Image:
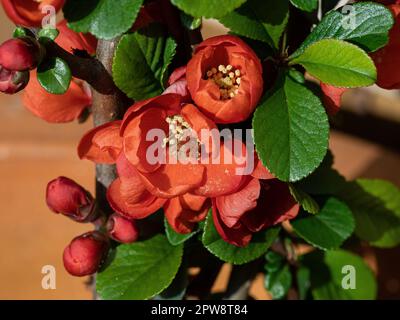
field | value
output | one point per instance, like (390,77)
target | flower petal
(128,196)
(56,108)
(102,144)
(183,212)
(239,235)
(232,207)
(275,205)
(172,180)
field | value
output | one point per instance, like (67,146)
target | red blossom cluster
(194,101)
(222,83)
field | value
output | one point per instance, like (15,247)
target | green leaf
(140,270)
(305,5)
(291,131)
(304,199)
(177,289)
(229,253)
(274,261)
(334,268)
(20,32)
(303,282)
(376,208)
(207,8)
(259,20)
(338,63)
(190,22)
(105,19)
(54,75)
(141,62)
(329,228)
(175,238)
(371,24)
(48,34)
(278,283)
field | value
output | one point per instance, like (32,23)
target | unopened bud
(85,254)
(13,81)
(65,196)
(20,54)
(122,229)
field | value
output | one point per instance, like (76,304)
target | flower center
(182,139)
(228,80)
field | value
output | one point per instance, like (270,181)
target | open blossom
(29,13)
(165,114)
(182,189)
(70,105)
(262,202)
(225,79)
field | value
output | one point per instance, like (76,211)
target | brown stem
(85,68)
(107,106)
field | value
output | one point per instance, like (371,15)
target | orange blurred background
(32,152)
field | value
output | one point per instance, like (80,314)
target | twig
(85,68)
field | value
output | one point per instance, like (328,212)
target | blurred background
(365,143)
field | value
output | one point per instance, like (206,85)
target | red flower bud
(13,81)
(85,254)
(19,54)
(122,229)
(65,196)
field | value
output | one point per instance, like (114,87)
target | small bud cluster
(228,80)
(86,253)
(17,57)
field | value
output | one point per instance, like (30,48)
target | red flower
(170,179)
(259,204)
(387,59)
(225,79)
(142,187)
(85,254)
(332,98)
(70,105)
(28,13)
